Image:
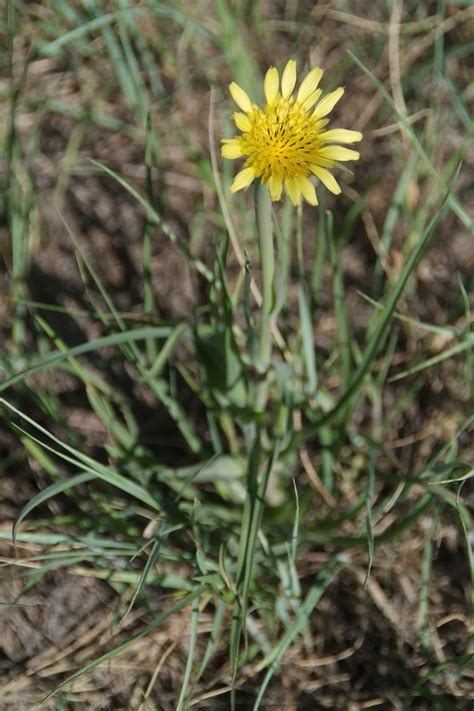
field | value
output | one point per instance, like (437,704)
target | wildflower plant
(285,143)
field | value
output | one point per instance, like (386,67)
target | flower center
(282,141)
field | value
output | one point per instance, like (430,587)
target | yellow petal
(231,149)
(240,97)
(242,180)
(338,153)
(271,85)
(326,178)
(309,84)
(293,190)
(328,103)
(340,135)
(288,79)
(307,189)
(241,121)
(320,124)
(324,162)
(275,186)
(311,99)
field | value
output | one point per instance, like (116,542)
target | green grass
(132,437)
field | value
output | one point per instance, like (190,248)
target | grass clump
(223,484)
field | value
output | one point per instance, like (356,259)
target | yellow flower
(286,141)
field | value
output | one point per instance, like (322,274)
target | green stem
(263,211)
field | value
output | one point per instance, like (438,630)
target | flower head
(286,141)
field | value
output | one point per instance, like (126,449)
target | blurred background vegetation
(129,290)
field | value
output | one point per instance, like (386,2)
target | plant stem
(263,211)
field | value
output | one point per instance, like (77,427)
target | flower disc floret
(286,142)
